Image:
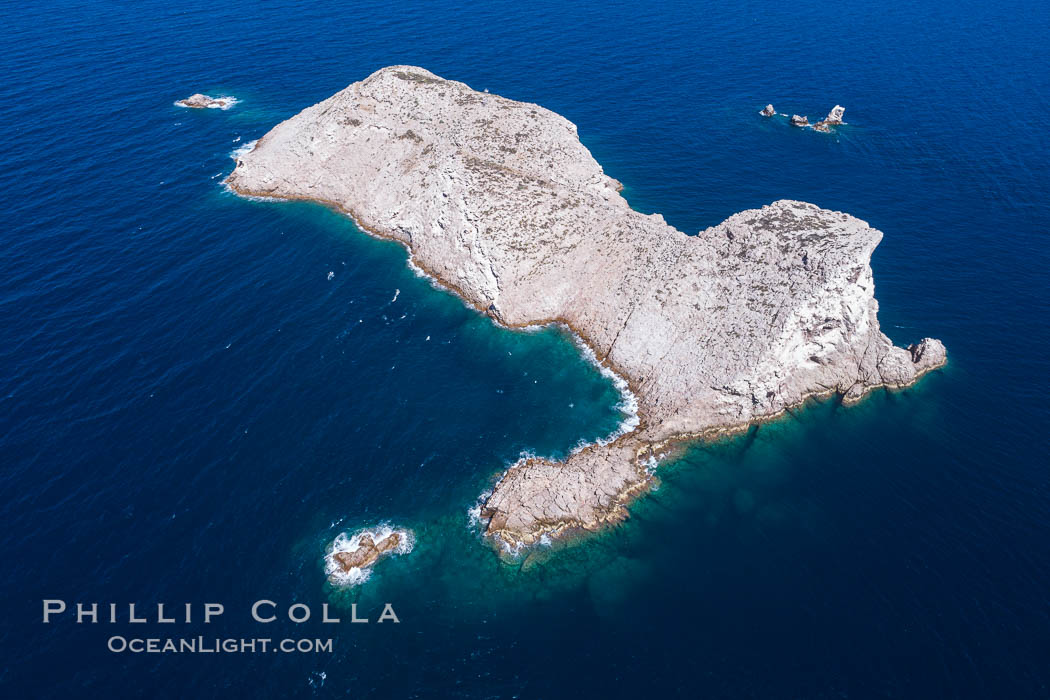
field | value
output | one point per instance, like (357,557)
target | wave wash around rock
(501,202)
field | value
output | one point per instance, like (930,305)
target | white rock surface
(501,202)
(835,115)
(768,111)
(199,101)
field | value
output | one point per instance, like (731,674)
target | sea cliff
(500,202)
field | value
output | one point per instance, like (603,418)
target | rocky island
(500,202)
(350,559)
(834,118)
(199,101)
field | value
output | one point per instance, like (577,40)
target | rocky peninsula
(500,202)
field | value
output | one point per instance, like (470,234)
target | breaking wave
(423,274)
(474,512)
(235,154)
(628,404)
(243,148)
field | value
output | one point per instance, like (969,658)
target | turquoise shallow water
(192,410)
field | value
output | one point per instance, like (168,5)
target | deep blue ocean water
(190,410)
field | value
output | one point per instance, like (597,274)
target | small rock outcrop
(499,201)
(834,117)
(199,101)
(768,111)
(367,553)
(350,559)
(799,121)
(928,351)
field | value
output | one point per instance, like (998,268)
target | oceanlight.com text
(214,645)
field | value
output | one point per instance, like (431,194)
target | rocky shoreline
(499,202)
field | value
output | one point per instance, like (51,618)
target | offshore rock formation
(199,101)
(834,118)
(367,553)
(350,559)
(799,121)
(768,111)
(501,202)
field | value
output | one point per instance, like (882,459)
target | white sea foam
(351,543)
(513,550)
(243,148)
(474,512)
(230,102)
(418,271)
(628,404)
(397,292)
(235,154)
(250,197)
